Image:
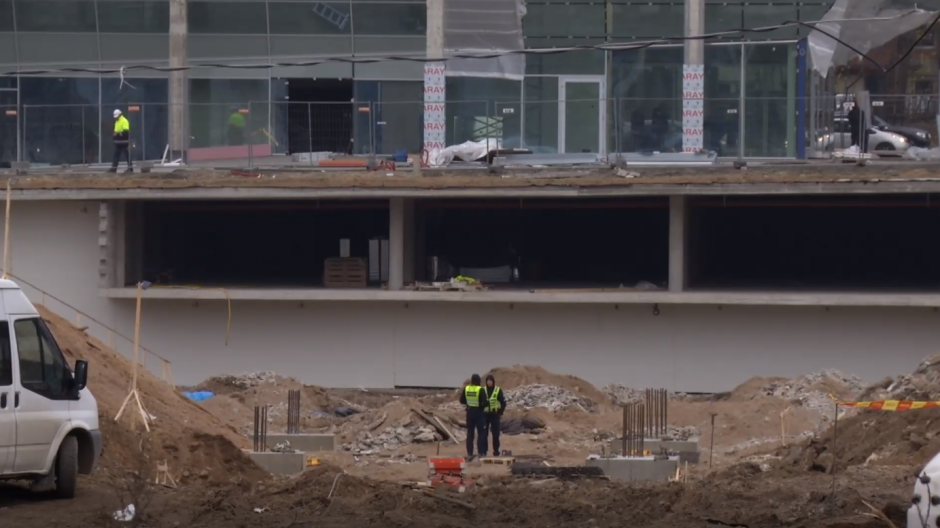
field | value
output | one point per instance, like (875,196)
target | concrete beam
(678,243)
(178,122)
(401,242)
(912,300)
(709,189)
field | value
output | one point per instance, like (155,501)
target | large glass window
(214,101)
(228,17)
(648,84)
(145,107)
(764,15)
(6,15)
(770,110)
(60,120)
(390,19)
(304,18)
(472,108)
(722,98)
(726,16)
(647,20)
(55,15)
(564,20)
(130,16)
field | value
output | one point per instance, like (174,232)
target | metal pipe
(623,438)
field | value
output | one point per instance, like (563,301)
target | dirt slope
(188,437)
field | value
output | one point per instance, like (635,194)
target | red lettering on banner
(693,113)
(431,145)
(694,76)
(691,149)
(692,132)
(434,90)
(434,71)
(434,126)
(434,107)
(693,95)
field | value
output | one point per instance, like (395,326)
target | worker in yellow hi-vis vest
(495,410)
(122,142)
(472,398)
(236,128)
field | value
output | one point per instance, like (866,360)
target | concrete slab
(280,463)
(688,451)
(636,469)
(309,443)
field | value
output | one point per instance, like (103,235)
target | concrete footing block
(636,469)
(309,443)
(687,450)
(280,463)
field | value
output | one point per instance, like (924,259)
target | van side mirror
(81,374)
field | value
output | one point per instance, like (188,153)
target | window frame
(6,378)
(45,389)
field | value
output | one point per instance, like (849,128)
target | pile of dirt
(923,384)
(190,439)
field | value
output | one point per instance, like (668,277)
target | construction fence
(252,132)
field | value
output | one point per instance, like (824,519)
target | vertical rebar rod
(623,438)
(254,435)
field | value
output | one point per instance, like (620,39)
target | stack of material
(345,272)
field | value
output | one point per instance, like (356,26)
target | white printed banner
(435,94)
(693,107)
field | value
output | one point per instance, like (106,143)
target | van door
(7,418)
(43,407)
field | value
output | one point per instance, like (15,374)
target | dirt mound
(188,437)
(922,384)
(522,375)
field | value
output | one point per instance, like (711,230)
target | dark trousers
(476,426)
(492,426)
(121,149)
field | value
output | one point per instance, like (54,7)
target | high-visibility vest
(236,120)
(494,400)
(472,394)
(121,125)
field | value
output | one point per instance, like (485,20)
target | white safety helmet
(117,113)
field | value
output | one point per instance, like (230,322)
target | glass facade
(633,96)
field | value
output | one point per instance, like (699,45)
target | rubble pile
(549,397)
(622,395)
(391,439)
(681,434)
(812,390)
(922,384)
(246,381)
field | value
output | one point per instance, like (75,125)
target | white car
(48,418)
(879,141)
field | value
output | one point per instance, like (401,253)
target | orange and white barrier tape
(888,405)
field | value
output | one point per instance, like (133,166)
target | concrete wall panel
(379,344)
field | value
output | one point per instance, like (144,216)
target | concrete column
(435,87)
(678,243)
(693,78)
(401,242)
(178,110)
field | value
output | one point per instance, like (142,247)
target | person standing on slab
(122,142)
(494,411)
(472,399)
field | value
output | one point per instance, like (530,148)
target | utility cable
(628,46)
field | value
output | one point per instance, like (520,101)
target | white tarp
(467,151)
(864,25)
(484,27)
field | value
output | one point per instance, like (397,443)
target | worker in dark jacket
(497,406)
(476,404)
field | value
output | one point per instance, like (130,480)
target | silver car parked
(880,142)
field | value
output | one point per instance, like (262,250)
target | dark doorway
(321,115)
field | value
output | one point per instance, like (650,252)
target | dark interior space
(815,243)
(557,243)
(251,243)
(325,123)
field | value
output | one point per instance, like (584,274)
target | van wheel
(885,146)
(66,468)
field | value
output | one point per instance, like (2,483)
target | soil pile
(521,375)
(922,384)
(186,436)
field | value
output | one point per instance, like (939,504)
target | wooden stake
(134,393)
(6,237)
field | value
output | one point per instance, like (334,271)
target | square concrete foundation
(280,463)
(687,451)
(637,469)
(309,443)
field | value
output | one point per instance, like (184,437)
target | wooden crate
(505,461)
(345,272)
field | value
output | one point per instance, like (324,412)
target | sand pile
(188,437)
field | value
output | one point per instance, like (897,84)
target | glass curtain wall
(67,118)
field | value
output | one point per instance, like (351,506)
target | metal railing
(251,133)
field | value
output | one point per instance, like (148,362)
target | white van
(48,419)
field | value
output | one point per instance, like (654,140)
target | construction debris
(548,397)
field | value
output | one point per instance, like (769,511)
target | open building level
(693,280)
(759,99)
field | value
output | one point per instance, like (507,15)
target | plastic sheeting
(484,27)
(881,21)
